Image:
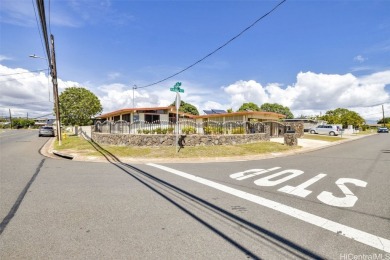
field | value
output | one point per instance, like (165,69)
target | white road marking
(301,190)
(241,175)
(352,233)
(349,200)
(267,180)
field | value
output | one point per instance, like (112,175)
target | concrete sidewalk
(305,145)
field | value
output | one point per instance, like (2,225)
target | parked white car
(326,130)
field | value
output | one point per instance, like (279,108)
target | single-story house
(168,114)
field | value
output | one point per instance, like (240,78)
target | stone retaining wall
(169,140)
(291,139)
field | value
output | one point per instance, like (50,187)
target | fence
(183,127)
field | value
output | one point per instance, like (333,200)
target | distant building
(44,121)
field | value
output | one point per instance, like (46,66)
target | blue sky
(312,56)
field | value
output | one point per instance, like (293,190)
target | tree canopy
(249,106)
(344,117)
(186,108)
(78,106)
(277,108)
(22,122)
(387,120)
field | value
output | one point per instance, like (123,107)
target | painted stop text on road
(278,176)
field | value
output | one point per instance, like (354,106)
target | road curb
(55,154)
(47,150)
(62,155)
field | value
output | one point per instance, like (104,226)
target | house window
(151,118)
(126,117)
(116,118)
(172,118)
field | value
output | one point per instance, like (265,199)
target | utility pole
(134,87)
(10,118)
(383,112)
(55,89)
(178,90)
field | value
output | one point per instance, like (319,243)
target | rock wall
(291,139)
(169,140)
(297,127)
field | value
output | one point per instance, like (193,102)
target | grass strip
(75,144)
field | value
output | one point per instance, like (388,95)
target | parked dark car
(46,131)
(383,130)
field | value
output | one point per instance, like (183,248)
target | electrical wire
(28,103)
(41,11)
(39,31)
(22,72)
(49,17)
(219,48)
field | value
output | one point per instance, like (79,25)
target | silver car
(46,131)
(326,130)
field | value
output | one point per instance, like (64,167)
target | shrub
(210,130)
(170,130)
(365,127)
(189,130)
(238,130)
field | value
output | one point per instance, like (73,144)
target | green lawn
(75,144)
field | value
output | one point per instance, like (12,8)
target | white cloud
(313,92)
(3,58)
(245,91)
(24,91)
(359,58)
(113,75)
(22,13)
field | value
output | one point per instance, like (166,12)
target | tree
(186,108)
(249,107)
(22,122)
(387,120)
(277,108)
(78,106)
(344,117)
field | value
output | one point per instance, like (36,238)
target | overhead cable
(42,16)
(17,73)
(39,31)
(219,48)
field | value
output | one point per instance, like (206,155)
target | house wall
(164,117)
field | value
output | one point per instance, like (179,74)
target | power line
(49,16)
(41,11)
(219,48)
(26,103)
(18,73)
(40,35)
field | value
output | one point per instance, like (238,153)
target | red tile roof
(173,110)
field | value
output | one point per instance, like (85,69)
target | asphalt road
(331,203)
